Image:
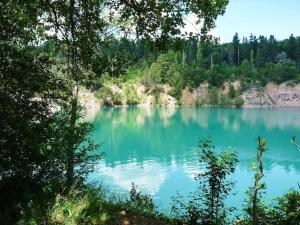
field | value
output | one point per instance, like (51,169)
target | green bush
(138,200)
(80,206)
(286,210)
(206,205)
(298,78)
(108,97)
(131,95)
(199,101)
(105,94)
(117,98)
(238,101)
(224,101)
(213,96)
(177,85)
(231,92)
(133,75)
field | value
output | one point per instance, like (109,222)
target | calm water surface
(157,148)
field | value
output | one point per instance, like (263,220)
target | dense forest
(252,59)
(190,62)
(50,49)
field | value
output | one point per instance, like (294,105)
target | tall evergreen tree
(236,49)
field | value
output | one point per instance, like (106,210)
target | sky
(259,17)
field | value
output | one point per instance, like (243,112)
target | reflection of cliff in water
(165,134)
(273,118)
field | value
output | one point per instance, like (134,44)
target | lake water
(157,148)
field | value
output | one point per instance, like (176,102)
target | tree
(38,147)
(256,208)
(206,205)
(291,47)
(79,24)
(32,136)
(236,49)
(199,55)
(246,69)
(286,209)
(281,57)
(253,45)
(213,96)
(231,92)
(271,49)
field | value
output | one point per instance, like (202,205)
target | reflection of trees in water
(165,114)
(200,117)
(160,134)
(205,117)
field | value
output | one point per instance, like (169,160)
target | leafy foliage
(145,202)
(256,209)
(206,205)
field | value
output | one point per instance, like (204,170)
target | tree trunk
(258,176)
(74,101)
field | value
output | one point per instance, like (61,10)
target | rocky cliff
(273,95)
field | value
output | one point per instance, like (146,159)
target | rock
(89,102)
(272,95)
(188,97)
(141,89)
(148,101)
(283,95)
(191,97)
(115,89)
(256,97)
(167,100)
(225,87)
(202,91)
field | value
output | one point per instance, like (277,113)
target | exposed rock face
(256,97)
(167,100)
(273,95)
(141,89)
(202,91)
(188,97)
(148,101)
(225,87)
(115,89)
(89,102)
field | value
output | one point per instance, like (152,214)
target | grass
(90,205)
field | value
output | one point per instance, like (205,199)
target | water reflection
(148,174)
(157,148)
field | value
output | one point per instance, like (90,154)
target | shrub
(80,206)
(105,94)
(231,92)
(117,98)
(142,202)
(177,84)
(238,101)
(131,95)
(206,205)
(213,96)
(108,97)
(255,208)
(298,78)
(286,210)
(224,101)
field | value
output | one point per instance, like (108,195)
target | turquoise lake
(156,148)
